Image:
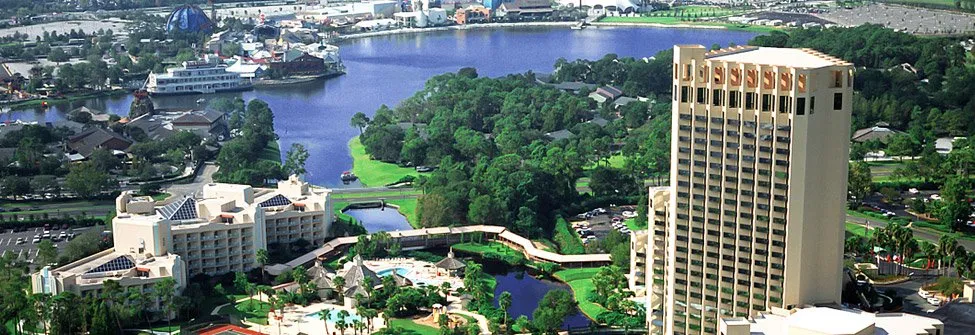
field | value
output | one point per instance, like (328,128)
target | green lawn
(941,3)
(491,250)
(407,207)
(160,196)
(614,161)
(410,325)
(272,152)
(252,310)
(580,280)
(165,328)
(410,191)
(373,172)
(858,229)
(631,223)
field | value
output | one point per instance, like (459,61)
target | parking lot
(27,250)
(598,223)
(908,19)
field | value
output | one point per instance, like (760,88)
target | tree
(262,259)
(483,210)
(504,302)
(14,186)
(956,209)
(339,283)
(946,247)
(340,323)
(87,180)
(165,291)
(860,183)
(294,163)
(552,310)
(324,316)
(433,211)
(47,253)
(360,121)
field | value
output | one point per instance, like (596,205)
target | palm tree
(325,313)
(343,314)
(369,314)
(946,246)
(112,293)
(358,325)
(387,314)
(339,283)
(262,258)
(504,301)
(929,250)
(959,257)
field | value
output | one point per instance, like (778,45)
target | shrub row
(567,239)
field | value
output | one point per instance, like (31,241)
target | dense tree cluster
(496,163)
(641,77)
(920,85)
(237,159)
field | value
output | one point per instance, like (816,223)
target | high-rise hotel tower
(753,217)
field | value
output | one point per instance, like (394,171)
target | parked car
(924,294)
(20,240)
(934,301)
(36,240)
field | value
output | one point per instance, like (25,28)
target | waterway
(387,69)
(379,219)
(528,291)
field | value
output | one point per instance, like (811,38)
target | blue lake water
(527,291)
(379,219)
(388,69)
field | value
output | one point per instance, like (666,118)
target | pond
(379,218)
(527,291)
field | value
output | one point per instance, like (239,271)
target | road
(931,237)
(190,189)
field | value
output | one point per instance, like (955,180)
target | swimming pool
(399,271)
(333,316)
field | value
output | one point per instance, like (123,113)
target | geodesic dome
(189,19)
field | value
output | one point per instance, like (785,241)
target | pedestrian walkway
(426,238)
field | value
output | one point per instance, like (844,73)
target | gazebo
(358,273)
(451,264)
(322,277)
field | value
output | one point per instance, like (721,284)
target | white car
(36,240)
(934,301)
(935,197)
(629,214)
(924,294)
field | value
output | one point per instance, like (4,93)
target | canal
(388,69)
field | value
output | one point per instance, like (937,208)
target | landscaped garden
(374,172)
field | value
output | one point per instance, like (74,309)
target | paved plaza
(908,19)
(62,27)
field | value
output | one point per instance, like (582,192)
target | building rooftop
(833,321)
(797,58)
(116,265)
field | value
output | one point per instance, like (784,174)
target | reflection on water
(388,69)
(527,292)
(379,219)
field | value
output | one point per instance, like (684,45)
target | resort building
(831,321)
(753,218)
(217,232)
(87,276)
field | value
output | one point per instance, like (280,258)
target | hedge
(566,238)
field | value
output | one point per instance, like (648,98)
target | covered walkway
(416,239)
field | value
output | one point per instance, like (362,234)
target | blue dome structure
(188,19)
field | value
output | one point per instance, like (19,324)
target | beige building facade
(753,218)
(218,232)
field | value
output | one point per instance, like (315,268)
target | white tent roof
(621,4)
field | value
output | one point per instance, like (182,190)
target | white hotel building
(215,233)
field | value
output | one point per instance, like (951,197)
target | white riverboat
(196,77)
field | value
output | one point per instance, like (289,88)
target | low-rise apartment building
(217,232)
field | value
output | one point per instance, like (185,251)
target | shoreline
(22,104)
(474,26)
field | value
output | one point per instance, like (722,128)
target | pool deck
(416,239)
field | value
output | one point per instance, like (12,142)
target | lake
(388,69)
(528,291)
(379,219)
